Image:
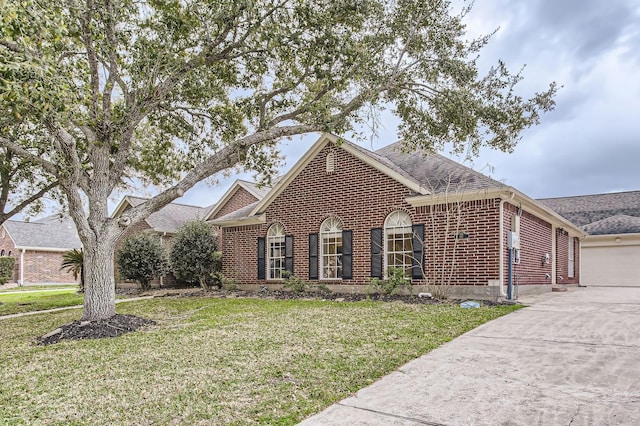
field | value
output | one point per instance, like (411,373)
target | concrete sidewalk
(569,359)
(65,308)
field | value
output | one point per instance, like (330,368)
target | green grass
(217,361)
(40,287)
(29,301)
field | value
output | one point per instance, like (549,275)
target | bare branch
(21,206)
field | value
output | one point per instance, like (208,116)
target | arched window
(331,249)
(275,252)
(398,242)
(2,253)
(9,253)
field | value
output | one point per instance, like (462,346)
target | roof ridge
(592,195)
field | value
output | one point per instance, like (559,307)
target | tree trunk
(100,289)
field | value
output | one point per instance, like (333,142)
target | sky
(590,143)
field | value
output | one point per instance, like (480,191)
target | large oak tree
(172,91)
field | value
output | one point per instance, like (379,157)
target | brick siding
(238,200)
(535,242)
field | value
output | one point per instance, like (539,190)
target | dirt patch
(115,326)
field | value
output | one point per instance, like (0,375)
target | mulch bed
(115,326)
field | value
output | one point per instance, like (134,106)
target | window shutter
(417,260)
(376,252)
(288,253)
(313,256)
(262,251)
(347,255)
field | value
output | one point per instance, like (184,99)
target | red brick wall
(239,253)
(535,242)
(467,261)
(44,267)
(239,199)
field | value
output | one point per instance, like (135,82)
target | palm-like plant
(72,262)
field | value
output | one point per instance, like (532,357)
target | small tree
(142,258)
(193,257)
(6,269)
(73,262)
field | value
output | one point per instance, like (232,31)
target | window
(275,252)
(571,266)
(331,249)
(2,253)
(398,242)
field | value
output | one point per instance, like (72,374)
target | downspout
(501,239)
(554,238)
(21,283)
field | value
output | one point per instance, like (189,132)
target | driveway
(569,359)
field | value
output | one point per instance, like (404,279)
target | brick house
(611,250)
(343,215)
(37,247)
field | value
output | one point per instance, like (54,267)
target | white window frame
(398,242)
(275,252)
(571,262)
(331,249)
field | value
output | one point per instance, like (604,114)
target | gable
(376,162)
(353,189)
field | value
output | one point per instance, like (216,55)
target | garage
(611,260)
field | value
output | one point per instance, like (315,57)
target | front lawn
(217,361)
(28,301)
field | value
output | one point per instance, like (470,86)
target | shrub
(193,258)
(298,285)
(142,258)
(396,280)
(6,268)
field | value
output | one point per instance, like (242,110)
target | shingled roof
(52,232)
(436,172)
(600,214)
(172,216)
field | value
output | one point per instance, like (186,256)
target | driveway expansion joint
(396,416)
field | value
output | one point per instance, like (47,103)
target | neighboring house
(611,252)
(37,247)
(343,215)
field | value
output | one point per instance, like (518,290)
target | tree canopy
(170,92)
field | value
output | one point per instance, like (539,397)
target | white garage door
(611,266)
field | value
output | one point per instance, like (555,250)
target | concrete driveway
(569,359)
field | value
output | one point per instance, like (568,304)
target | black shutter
(288,253)
(417,260)
(313,256)
(376,252)
(262,266)
(347,255)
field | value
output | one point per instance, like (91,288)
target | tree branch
(18,208)
(10,145)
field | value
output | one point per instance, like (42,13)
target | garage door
(611,266)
